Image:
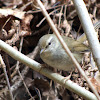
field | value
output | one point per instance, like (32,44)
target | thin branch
(7,80)
(17,68)
(60,16)
(88,29)
(45,18)
(8,67)
(83,37)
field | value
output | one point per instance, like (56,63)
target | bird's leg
(43,66)
(68,77)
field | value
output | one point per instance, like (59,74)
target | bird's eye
(49,43)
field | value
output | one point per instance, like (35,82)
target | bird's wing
(74,45)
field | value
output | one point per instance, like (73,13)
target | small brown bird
(53,54)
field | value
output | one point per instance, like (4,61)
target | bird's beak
(42,50)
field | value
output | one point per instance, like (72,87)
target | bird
(53,54)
